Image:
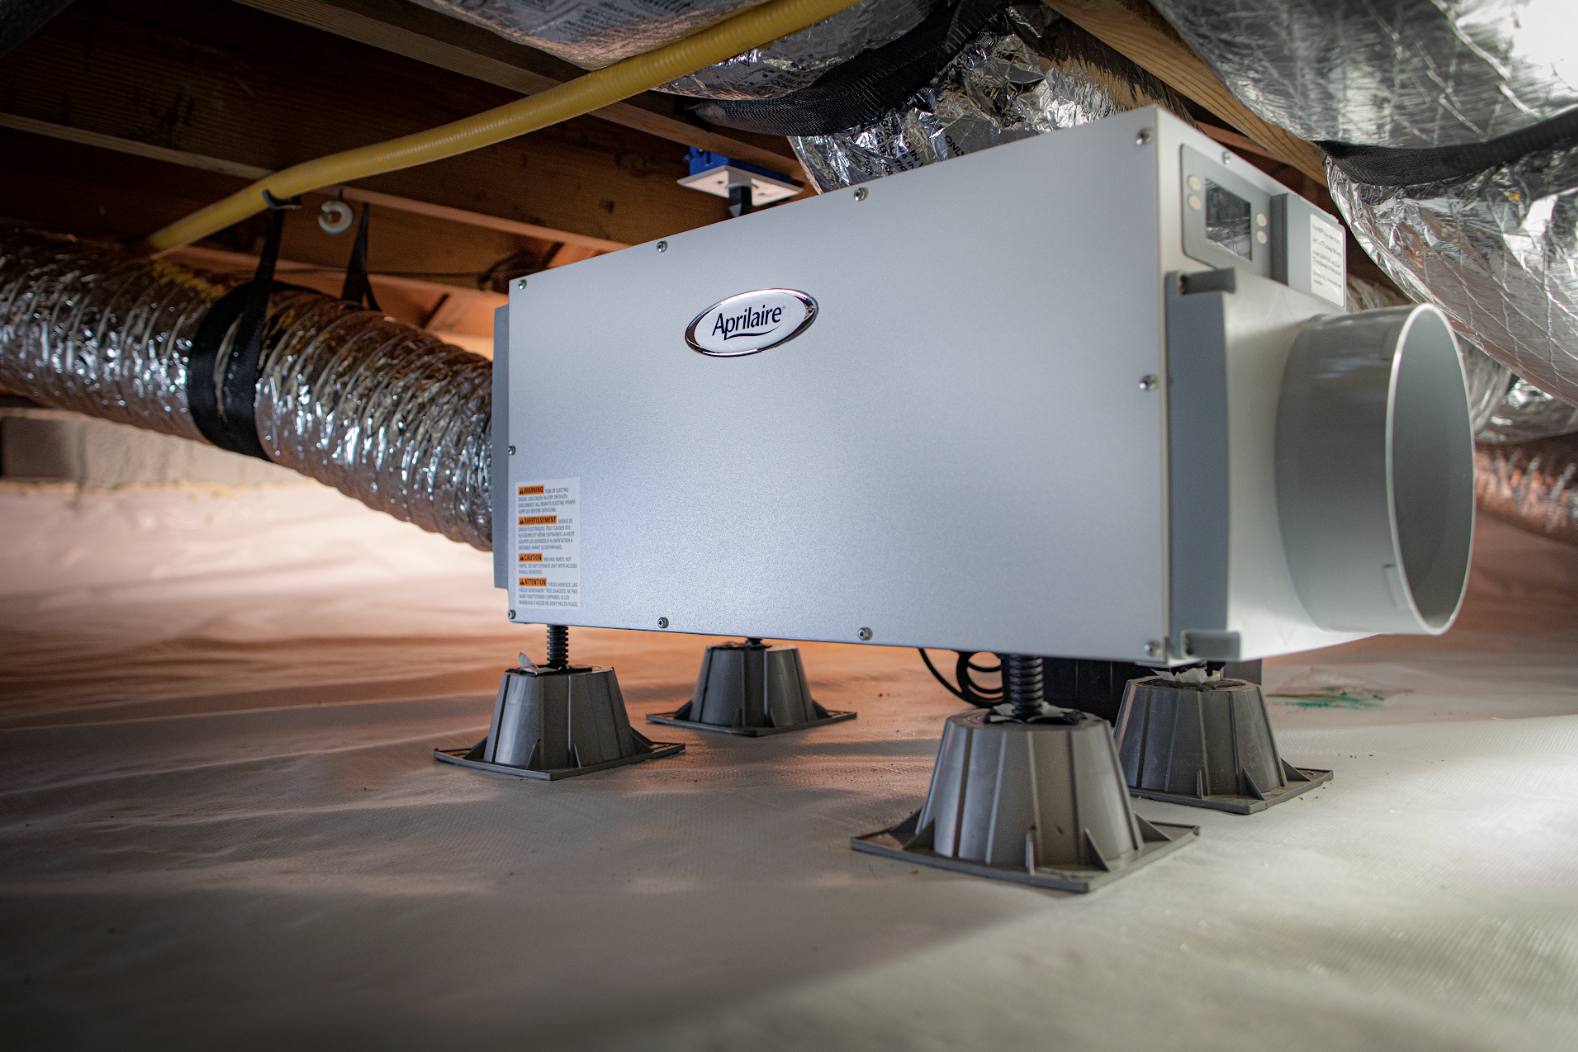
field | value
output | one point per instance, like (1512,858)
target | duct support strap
(381,411)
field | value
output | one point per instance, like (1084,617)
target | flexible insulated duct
(1027,72)
(381,411)
(1527,413)
(1396,73)
(596,34)
(1532,484)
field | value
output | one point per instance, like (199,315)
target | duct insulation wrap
(593,35)
(1496,251)
(1525,414)
(381,411)
(1532,484)
(1453,131)
(1399,73)
(1028,72)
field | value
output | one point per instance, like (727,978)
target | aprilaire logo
(751,322)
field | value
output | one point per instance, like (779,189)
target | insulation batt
(1029,72)
(593,35)
(381,411)
(1400,73)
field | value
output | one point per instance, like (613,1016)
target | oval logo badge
(751,322)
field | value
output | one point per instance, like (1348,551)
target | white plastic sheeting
(222,828)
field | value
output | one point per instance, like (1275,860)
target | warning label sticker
(1328,264)
(547,546)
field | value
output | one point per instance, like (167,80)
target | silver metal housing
(1014,426)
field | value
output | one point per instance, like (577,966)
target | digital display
(1227,220)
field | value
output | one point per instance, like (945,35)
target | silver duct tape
(798,60)
(1019,77)
(1399,73)
(381,411)
(1496,252)
(1534,485)
(1487,379)
(593,35)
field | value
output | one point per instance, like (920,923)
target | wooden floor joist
(590,246)
(186,80)
(425,35)
(1134,29)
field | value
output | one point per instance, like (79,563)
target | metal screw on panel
(1226,157)
(864,634)
(512,451)
(1142,138)
(512,615)
(1149,382)
(662,246)
(861,193)
(1154,648)
(521,283)
(662,622)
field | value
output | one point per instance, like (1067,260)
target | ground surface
(220,828)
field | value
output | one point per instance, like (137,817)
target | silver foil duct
(1497,252)
(1488,380)
(1029,72)
(1525,414)
(593,35)
(1532,484)
(381,411)
(1400,73)
(799,59)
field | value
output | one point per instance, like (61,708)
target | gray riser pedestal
(753,690)
(1035,803)
(1205,745)
(557,723)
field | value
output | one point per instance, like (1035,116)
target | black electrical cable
(967,690)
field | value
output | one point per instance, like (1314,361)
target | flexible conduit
(381,411)
(743,32)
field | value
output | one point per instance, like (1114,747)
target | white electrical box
(1024,401)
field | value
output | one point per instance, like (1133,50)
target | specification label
(1328,264)
(547,548)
